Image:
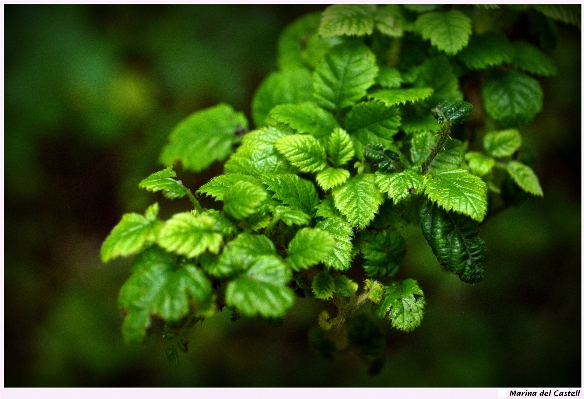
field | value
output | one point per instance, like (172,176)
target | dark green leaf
(529,58)
(455,112)
(403,304)
(384,252)
(487,50)
(449,31)
(323,285)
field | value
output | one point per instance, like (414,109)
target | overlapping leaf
(358,200)
(349,20)
(244,199)
(479,163)
(190,235)
(401,96)
(340,147)
(309,247)
(342,253)
(218,186)
(525,178)
(163,181)
(302,151)
(384,252)
(332,177)
(529,58)
(487,50)
(403,303)
(305,118)
(323,285)
(399,186)
(294,191)
(449,31)
(389,20)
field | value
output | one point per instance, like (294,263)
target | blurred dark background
(91,94)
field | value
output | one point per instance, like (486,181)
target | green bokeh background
(91,93)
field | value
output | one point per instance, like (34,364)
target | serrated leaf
(358,200)
(449,31)
(290,86)
(340,147)
(239,254)
(479,163)
(159,287)
(529,58)
(344,75)
(399,186)
(131,235)
(450,157)
(438,73)
(344,286)
(323,285)
(244,199)
(262,289)
(326,208)
(342,253)
(503,143)
(309,247)
(384,251)
(294,191)
(343,19)
(525,178)
(163,181)
(305,118)
(412,124)
(332,177)
(389,78)
(218,186)
(372,122)
(455,112)
(455,242)
(403,303)
(292,216)
(567,13)
(401,96)
(204,137)
(190,235)
(487,50)
(513,98)
(389,20)
(375,290)
(302,151)
(459,191)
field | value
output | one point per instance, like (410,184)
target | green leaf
(375,290)
(438,73)
(239,254)
(455,112)
(358,200)
(190,235)
(305,118)
(384,251)
(401,96)
(389,78)
(244,199)
(403,303)
(525,178)
(487,50)
(449,31)
(342,253)
(345,286)
(262,289)
(455,242)
(340,147)
(356,19)
(389,20)
(204,137)
(323,285)
(344,75)
(302,151)
(567,13)
(292,216)
(292,41)
(131,235)
(450,157)
(503,143)
(372,122)
(163,181)
(159,287)
(412,124)
(309,247)
(478,163)
(332,177)
(529,58)
(219,185)
(294,191)
(513,98)
(399,186)
(459,191)
(257,155)
(290,86)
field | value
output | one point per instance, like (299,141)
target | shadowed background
(91,94)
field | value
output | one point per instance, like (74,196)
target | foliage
(363,130)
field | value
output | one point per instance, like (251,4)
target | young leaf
(302,151)
(400,185)
(513,98)
(384,252)
(243,199)
(375,290)
(401,96)
(358,200)
(503,143)
(340,147)
(309,247)
(345,286)
(529,58)
(342,253)
(449,31)
(344,75)
(131,235)
(204,137)
(159,287)
(305,118)
(218,186)
(262,289)
(323,285)
(403,303)
(239,254)
(163,181)
(525,178)
(389,78)
(190,235)
(459,191)
(347,20)
(487,50)
(294,191)
(332,177)
(455,242)
(479,163)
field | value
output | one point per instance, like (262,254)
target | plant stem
(196,203)
(444,134)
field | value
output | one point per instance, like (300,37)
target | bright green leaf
(292,216)
(342,253)
(294,191)
(243,199)
(375,290)
(403,303)
(302,151)
(309,247)
(163,181)
(479,163)
(190,235)
(389,78)
(344,286)
(525,178)
(340,147)
(239,254)
(332,177)
(305,118)
(399,186)
(449,31)
(344,19)
(218,186)
(358,200)
(503,143)
(389,20)
(401,96)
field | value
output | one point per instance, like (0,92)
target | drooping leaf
(204,137)
(384,251)
(459,191)
(244,199)
(340,147)
(323,285)
(344,75)
(513,98)
(449,31)
(344,19)
(261,289)
(305,118)
(342,253)
(163,181)
(294,191)
(525,178)
(502,143)
(455,242)
(487,50)
(401,96)
(131,235)
(399,186)
(332,177)
(529,58)
(403,303)
(159,287)
(218,186)
(479,163)
(358,200)
(308,247)
(190,235)
(302,151)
